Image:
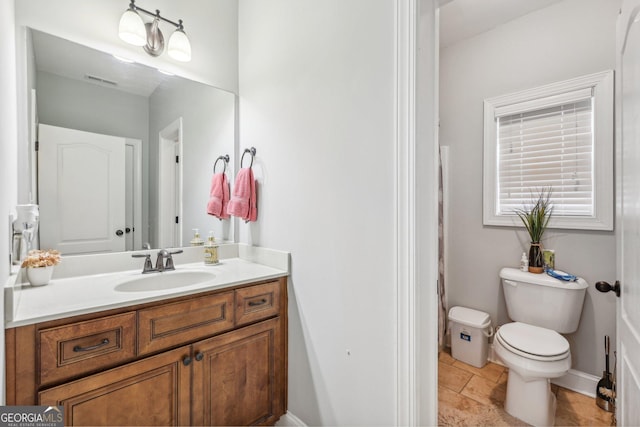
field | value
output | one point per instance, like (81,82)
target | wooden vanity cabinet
(212,369)
(155,391)
(234,377)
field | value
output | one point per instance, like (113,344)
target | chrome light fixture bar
(135,31)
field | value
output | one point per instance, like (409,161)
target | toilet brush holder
(605,391)
(606,395)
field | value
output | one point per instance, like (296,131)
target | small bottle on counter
(196,241)
(211,250)
(524,262)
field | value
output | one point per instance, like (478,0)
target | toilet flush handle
(509,282)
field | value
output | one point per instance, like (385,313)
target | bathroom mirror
(164,118)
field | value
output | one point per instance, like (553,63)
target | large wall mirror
(125,138)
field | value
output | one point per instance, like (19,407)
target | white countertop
(70,296)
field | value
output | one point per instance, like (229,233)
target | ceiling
(462,19)
(64,58)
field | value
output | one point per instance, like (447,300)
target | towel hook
(251,151)
(225,160)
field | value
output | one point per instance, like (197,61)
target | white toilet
(531,347)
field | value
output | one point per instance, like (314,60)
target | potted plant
(39,266)
(535,219)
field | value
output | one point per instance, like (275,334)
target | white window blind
(557,136)
(549,147)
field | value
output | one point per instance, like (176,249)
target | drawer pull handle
(199,356)
(91,347)
(255,303)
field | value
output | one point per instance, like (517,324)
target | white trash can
(470,333)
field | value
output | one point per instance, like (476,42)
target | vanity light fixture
(135,31)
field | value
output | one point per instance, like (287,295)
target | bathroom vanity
(210,353)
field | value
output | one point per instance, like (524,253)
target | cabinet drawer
(257,302)
(84,347)
(170,325)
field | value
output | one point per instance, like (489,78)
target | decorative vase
(39,276)
(536,258)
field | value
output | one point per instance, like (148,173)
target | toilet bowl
(533,355)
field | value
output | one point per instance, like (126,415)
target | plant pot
(39,276)
(536,258)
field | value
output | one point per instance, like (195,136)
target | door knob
(605,287)
(127,230)
(119,233)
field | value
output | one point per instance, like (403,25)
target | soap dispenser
(524,262)
(196,241)
(211,250)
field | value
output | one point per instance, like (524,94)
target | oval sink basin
(164,281)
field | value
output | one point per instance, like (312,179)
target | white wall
(208,118)
(317,101)
(89,107)
(566,40)
(8,154)
(27,188)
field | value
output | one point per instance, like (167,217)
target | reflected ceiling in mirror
(165,118)
(61,57)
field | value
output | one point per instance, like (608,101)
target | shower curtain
(442,308)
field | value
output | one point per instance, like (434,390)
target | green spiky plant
(535,219)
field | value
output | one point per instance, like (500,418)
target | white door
(129,197)
(170,186)
(628,227)
(81,184)
(133,194)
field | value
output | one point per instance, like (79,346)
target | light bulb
(131,28)
(179,47)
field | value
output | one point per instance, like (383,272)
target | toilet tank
(541,300)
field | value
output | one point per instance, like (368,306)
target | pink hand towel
(243,200)
(218,196)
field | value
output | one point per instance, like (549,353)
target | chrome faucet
(162,254)
(169,264)
(161,265)
(148,267)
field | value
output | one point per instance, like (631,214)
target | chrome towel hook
(251,151)
(225,161)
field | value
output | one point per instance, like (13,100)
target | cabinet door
(153,391)
(238,377)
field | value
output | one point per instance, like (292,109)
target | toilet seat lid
(533,340)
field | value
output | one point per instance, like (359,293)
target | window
(558,136)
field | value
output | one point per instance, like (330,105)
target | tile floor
(468,396)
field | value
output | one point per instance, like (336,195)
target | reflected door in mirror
(80,180)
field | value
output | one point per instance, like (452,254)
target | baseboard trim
(290,420)
(574,380)
(578,381)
